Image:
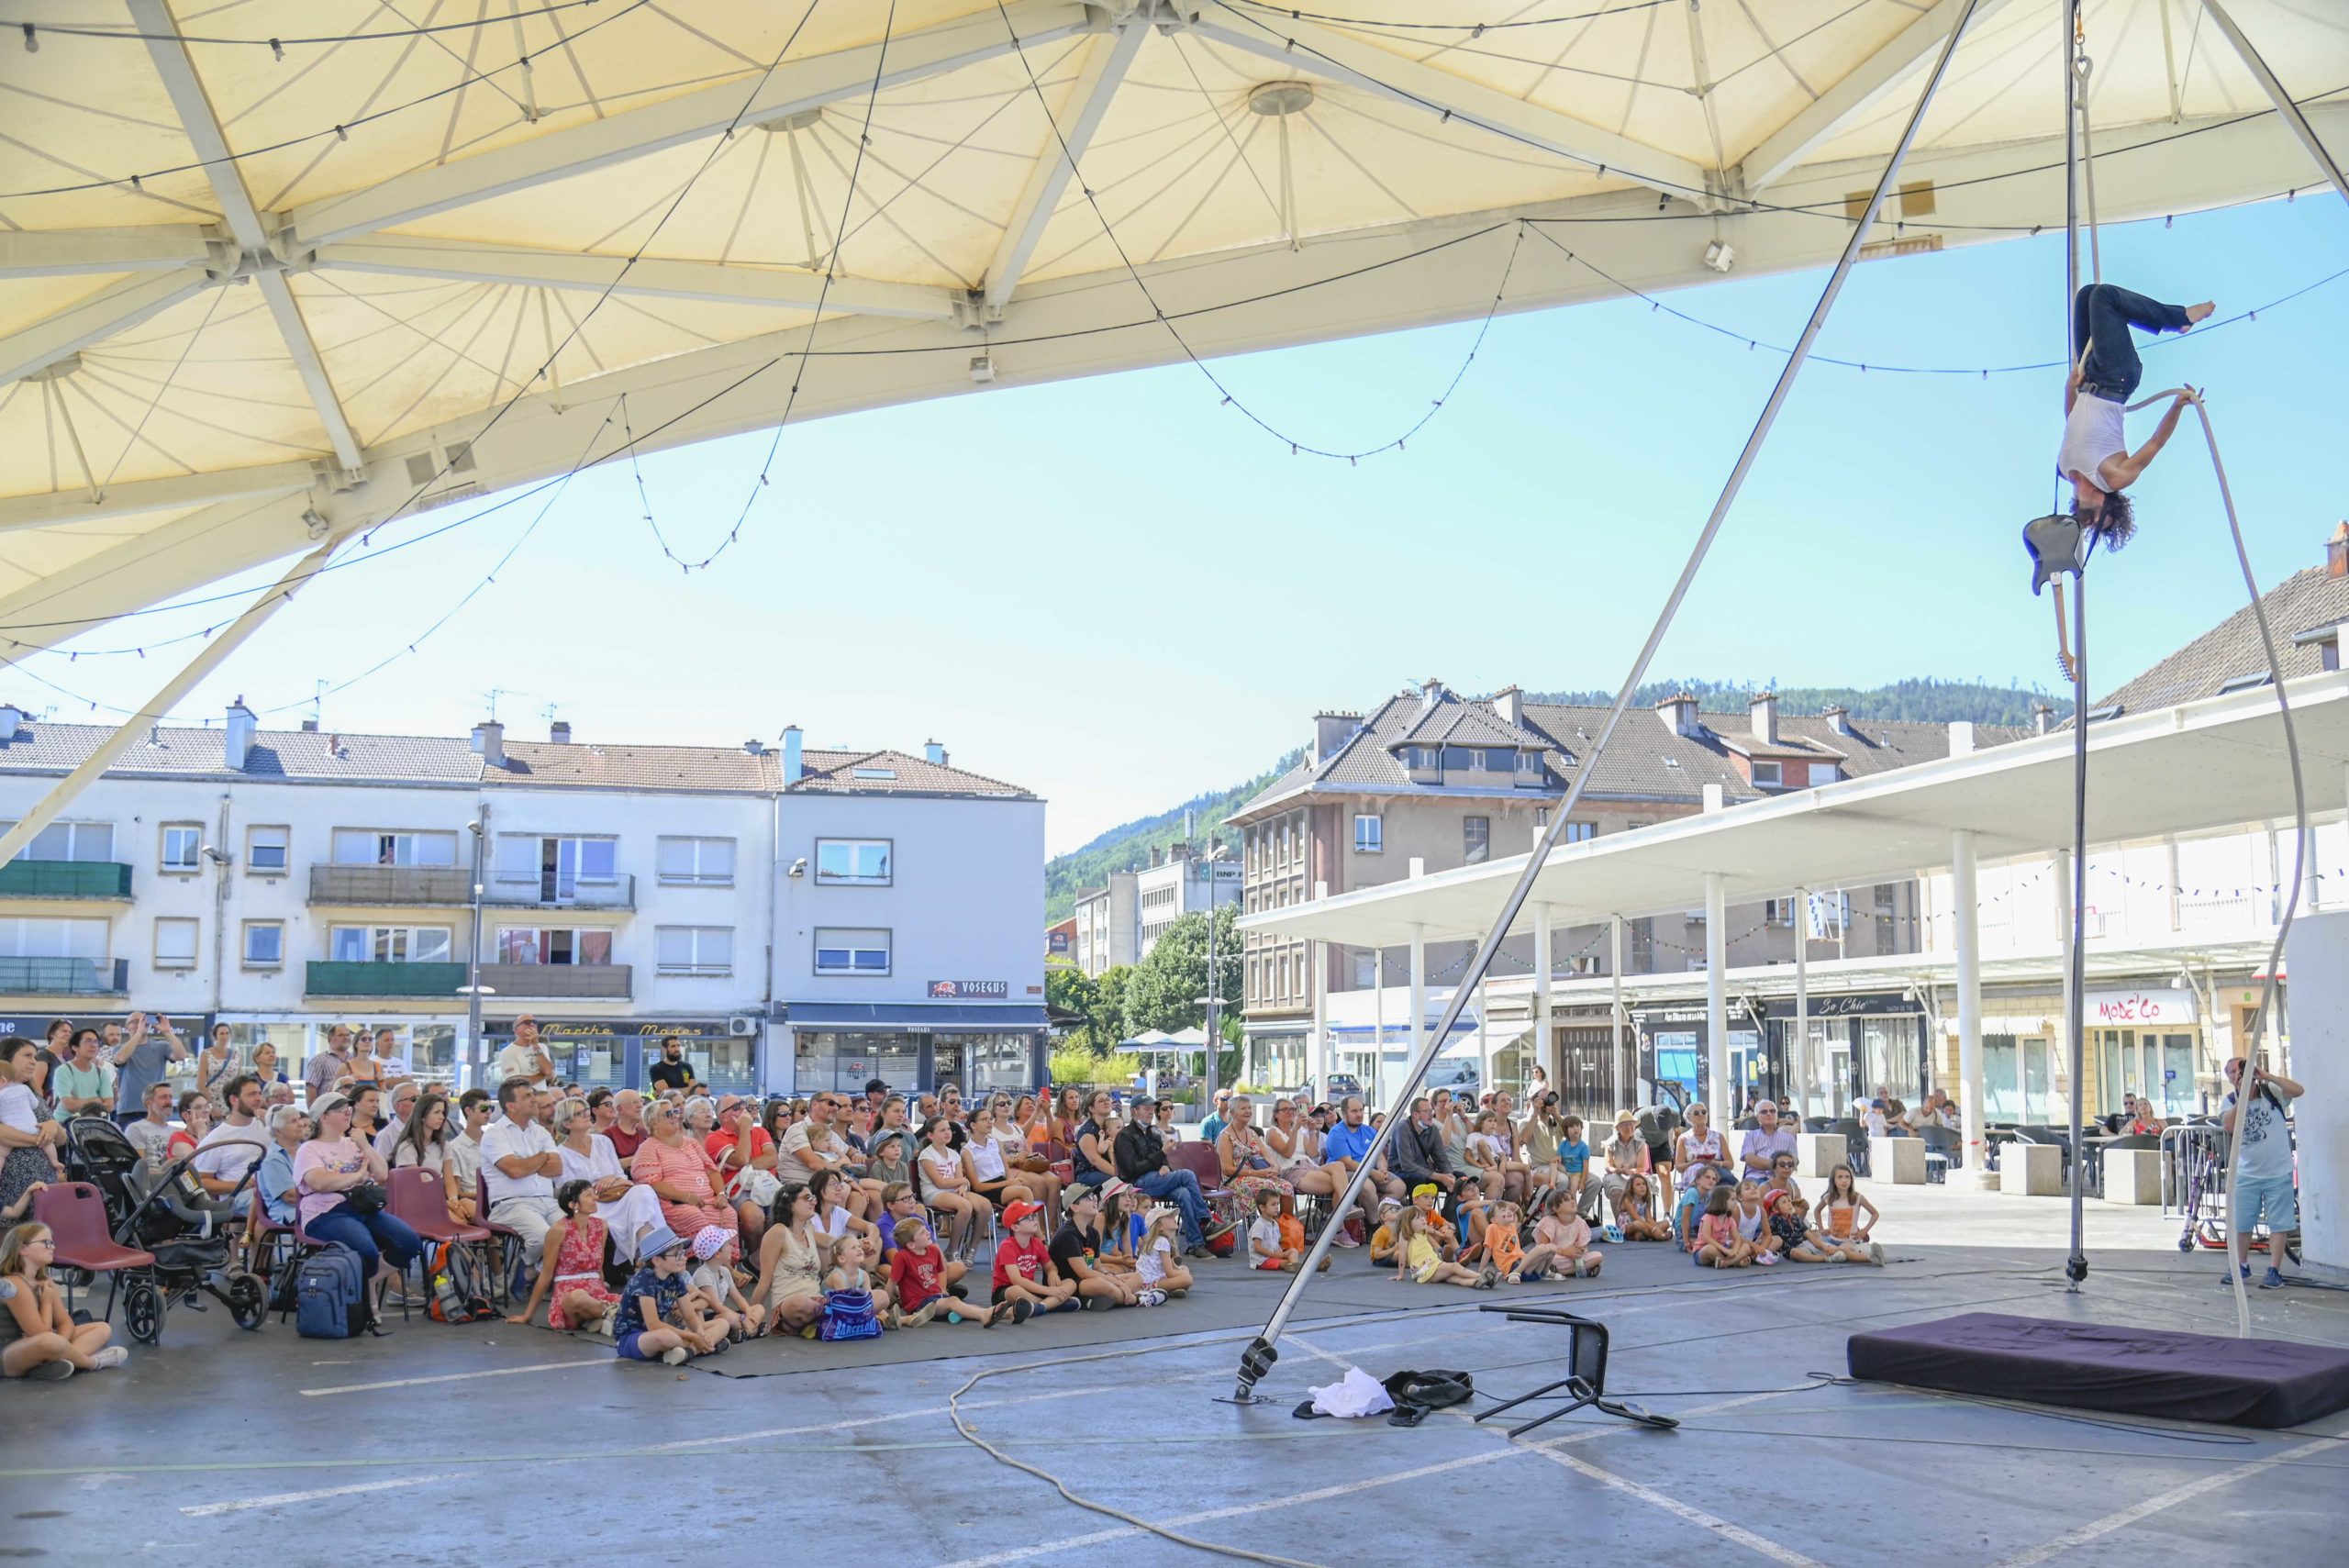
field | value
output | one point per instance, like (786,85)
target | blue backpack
(330,1294)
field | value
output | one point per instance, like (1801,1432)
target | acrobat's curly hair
(2114,522)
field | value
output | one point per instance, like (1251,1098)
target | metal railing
(555,982)
(64,879)
(344,977)
(65,977)
(2187,1148)
(452,888)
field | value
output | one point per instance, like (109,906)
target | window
(1528,767)
(1370,835)
(560,866)
(559,945)
(873,773)
(852,862)
(266,851)
(379,847)
(183,846)
(264,944)
(697,950)
(175,943)
(696,862)
(389,944)
(69,841)
(30,938)
(1778,912)
(1365,970)
(840,950)
(1476,840)
(1767,772)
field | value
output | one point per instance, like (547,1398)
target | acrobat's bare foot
(2195,313)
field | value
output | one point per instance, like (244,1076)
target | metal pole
(1802,1002)
(474,1055)
(1257,1359)
(2280,98)
(1543,1036)
(2071,177)
(1215,1040)
(2075,1268)
(1716,999)
(1627,1073)
(1965,910)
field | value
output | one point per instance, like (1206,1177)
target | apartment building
(1430,780)
(1108,925)
(1179,881)
(282,882)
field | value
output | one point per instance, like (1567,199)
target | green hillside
(1126,847)
(1922,699)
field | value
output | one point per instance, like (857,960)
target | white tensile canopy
(255,296)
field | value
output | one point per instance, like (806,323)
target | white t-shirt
(16,1107)
(464,1154)
(798,1141)
(519,1060)
(507,1140)
(226,1152)
(1486,1146)
(987,1159)
(714,1277)
(942,1165)
(2265,1136)
(600,1161)
(2093,430)
(1150,1266)
(1263,1239)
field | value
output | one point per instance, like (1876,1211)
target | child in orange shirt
(1503,1250)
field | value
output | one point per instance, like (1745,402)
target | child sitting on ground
(1504,1247)
(1024,1270)
(1270,1246)
(578,1297)
(1382,1240)
(715,1286)
(1561,1247)
(44,1342)
(849,1312)
(657,1320)
(1753,1222)
(1417,1257)
(1470,1211)
(1695,1199)
(917,1278)
(1795,1239)
(1157,1259)
(1717,1244)
(1635,1213)
(1425,1197)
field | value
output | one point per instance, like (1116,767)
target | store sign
(2111,1009)
(1056,943)
(1226,871)
(968,990)
(1863,1004)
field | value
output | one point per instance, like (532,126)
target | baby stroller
(167,1214)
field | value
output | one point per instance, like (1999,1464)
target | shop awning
(917,1018)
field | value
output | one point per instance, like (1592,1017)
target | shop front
(2145,1042)
(916,1046)
(1860,1043)
(1673,1051)
(614,1053)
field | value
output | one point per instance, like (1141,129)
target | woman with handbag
(745,1153)
(1250,1168)
(1029,1168)
(629,1208)
(341,1180)
(215,1066)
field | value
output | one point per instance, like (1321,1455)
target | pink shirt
(345,1156)
(685,1165)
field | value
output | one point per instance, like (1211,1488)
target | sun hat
(1427,1189)
(657,1241)
(1390,1203)
(1019,1212)
(1115,1187)
(1155,1213)
(708,1240)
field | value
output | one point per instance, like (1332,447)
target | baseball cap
(1020,1213)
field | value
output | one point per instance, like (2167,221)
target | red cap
(1022,1211)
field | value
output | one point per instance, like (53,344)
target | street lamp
(1215,992)
(472,990)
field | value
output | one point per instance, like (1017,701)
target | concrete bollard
(2033,1170)
(1901,1161)
(1821,1151)
(2133,1176)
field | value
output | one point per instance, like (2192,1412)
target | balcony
(556,982)
(64,879)
(329,977)
(452,887)
(65,976)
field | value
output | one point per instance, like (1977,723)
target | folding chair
(77,1216)
(419,1199)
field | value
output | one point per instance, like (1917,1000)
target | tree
(1071,992)
(1113,1018)
(1167,984)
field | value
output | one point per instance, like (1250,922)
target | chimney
(1838,719)
(1331,733)
(794,770)
(1430,692)
(242,725)
(309,726)
(11,716)
(559,732)
(934,753)
(2043,717)
(489,740)
(2336,551)
(1510,703)
(1679,711)
(755,748)
(1764,709)
(1961,737)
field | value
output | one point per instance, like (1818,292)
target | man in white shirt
(811,1145)
(404,1100)
(389,1060)
(238,1143)
(526,1058)
(464,1149)
(520,1162)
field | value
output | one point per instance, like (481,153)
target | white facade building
(282,882)
(1177,886)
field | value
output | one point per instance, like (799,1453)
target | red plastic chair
(77,1216)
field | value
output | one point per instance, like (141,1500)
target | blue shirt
(276,1176)
(1575,1156)
(1684,1210)
(1348,1142)
(666,1294)
(1211,1129)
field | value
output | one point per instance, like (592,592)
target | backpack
(330,1294)
(454,1274)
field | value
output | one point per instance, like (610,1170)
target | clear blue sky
(1117,592)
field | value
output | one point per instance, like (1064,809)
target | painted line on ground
(1322,1495)
(287,1499)
(1695,1516)
(2157,1503)
(460,1376)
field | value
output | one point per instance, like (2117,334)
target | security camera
(799,869)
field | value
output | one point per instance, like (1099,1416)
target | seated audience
(573,1284)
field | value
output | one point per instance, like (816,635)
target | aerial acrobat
(2095,456)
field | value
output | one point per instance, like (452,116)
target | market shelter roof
(276,270)
(2202,767)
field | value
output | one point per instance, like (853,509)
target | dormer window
(1528,768)
(1770,775)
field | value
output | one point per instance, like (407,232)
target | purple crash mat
(2099,1366)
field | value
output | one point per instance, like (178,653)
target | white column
(2315,958)
(1965,911)
(1626,1071)
(2061,1034)
(1545,1045)
(1717,999)
(1379,1020)
(1804,1081)
(1417,1031)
